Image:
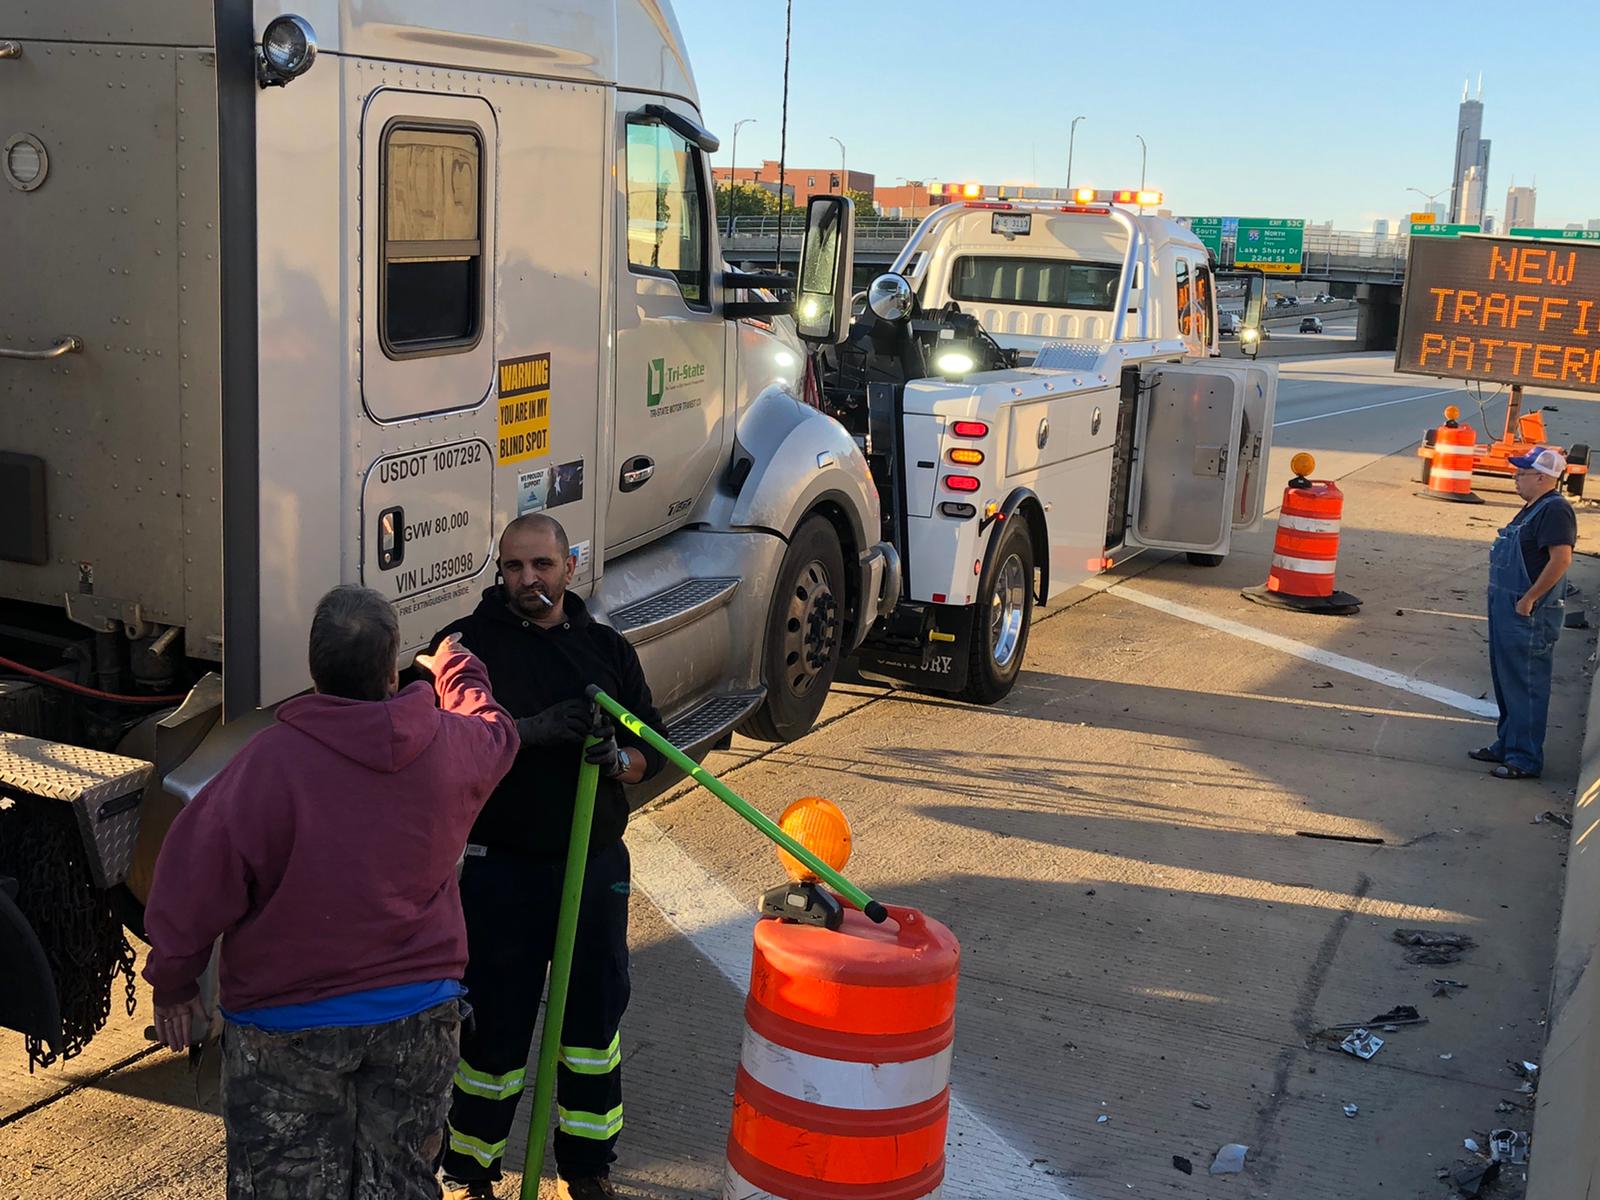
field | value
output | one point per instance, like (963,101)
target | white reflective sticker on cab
(426,518)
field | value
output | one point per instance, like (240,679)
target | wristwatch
(624,763)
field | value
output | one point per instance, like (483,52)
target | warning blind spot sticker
(523,400)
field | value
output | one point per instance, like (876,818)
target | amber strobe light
(819,826)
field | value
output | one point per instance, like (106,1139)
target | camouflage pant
(339,1114)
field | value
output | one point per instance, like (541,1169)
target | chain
(83,941)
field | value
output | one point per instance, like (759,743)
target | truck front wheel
(804,631)
(1002,616)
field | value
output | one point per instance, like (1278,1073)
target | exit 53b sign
(1502,310)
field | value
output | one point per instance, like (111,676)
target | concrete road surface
(1173,854)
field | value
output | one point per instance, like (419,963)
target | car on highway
(1310,324)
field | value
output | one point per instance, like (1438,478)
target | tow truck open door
(1255,437)
(1185,481)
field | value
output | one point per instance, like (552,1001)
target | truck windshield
(1036,282)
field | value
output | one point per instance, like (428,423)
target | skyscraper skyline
(1520,205)
(1472,152)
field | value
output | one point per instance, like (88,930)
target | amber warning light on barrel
(822,828)
(1302,464)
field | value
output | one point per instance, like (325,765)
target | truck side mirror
(827,261)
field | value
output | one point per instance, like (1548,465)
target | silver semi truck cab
(296,299)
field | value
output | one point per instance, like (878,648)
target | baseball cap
(1542,459)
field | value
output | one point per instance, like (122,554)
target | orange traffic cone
(1455,451)
(1306,549)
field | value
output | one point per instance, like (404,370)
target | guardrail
(867,228)
(1325,249)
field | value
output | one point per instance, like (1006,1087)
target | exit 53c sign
(1502,310)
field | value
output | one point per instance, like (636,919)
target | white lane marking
(981,1163)
(1344,412)
(1325,658)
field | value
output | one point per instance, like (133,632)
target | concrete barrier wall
(1566,1151)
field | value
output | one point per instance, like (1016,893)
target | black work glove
(605,753)
(563,724)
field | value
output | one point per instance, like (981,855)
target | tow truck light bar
(1144,199)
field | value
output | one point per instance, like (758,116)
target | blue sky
(1322,111)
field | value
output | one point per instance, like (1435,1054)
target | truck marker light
(962,483)
(971,429)
(977,566)
(995,204)
(958,509)
(1086,211)
(966,457)
(938,597)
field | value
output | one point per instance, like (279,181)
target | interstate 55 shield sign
(1502,310)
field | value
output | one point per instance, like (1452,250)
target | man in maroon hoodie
(324,855)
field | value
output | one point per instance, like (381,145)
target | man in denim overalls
(1527,577)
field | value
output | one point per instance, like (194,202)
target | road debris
(1472,1144)
(1554,818)
(1101,1119)
(1469,1180)
(1509,1145)
(1428,946)
(1183,1164)
(1362,1043)
(1507,1106)
(1448,987)
(1351,1110)
(1230,1159)
(1447,1057)
(1201,1103)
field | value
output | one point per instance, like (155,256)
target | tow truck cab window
(1036,282)
(1203,304)
(666,209)
(1185,304)
(432,237)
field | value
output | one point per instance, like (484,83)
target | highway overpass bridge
(1358,266)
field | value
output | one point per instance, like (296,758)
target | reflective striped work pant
(511,905)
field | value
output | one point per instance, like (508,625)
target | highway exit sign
(1566,235)
(1271,244)
(1209,231)
(1439,230)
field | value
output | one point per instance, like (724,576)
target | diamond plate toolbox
(103,789)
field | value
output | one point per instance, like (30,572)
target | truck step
(103,789)
(707,721)
(682,604)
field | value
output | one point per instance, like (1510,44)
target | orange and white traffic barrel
(1305,550)
(843,1088)
(1455,453)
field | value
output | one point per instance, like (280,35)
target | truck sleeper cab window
(666,210)
(432,237)
(1036,282)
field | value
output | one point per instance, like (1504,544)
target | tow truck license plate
(1012,224)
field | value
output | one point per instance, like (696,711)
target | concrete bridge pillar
(1377,316)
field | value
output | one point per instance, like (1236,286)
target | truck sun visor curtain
(679,124)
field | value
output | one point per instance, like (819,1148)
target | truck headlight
(288,48)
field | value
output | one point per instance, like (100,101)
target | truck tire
(804,631)
(1576,457)
(1002,616)
(1197,559)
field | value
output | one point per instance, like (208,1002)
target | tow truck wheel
(1197,559)
(801,655)
(1001,617)
(1578,456)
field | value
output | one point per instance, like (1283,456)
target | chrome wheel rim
(811,629)
(1006,605)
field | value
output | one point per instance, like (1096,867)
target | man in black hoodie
(542,650)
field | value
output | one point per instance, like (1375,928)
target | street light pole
(733,169)
(1072,138)
(844,174)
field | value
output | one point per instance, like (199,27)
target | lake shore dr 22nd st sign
(1502,311)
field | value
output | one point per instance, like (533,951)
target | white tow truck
(1037,390)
